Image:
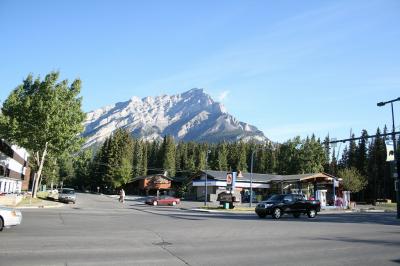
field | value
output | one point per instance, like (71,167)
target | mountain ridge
(190,116)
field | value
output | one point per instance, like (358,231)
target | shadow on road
(378,242)
(359,218)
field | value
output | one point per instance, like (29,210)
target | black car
(277,205)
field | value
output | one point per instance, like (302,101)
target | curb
(40,206)
(252,212)
(373,211)
(218,211)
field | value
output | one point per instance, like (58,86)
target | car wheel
(312,213)
(277,213)
(173,203)
(296,214)
(1,224)
(155,203)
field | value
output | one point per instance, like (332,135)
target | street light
(251,177)
(205,197)
(396,161)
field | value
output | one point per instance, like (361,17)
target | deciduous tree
(43,116)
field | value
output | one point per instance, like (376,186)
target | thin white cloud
(223,95)
(265,52)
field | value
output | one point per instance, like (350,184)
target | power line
(366,137)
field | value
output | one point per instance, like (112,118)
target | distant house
(149,185)
(14,169)
(316,185)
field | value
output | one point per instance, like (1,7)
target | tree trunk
(40,162)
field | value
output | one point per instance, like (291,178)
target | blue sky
(288,67)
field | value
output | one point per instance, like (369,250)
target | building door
(321,196)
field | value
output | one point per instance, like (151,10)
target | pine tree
(352,153)
(241,164)
(190,163)
(270,159)
(376,167)
(361,152)
(144,159)
(327,150)
(333,165)
(168,152)
(260,159)
(138,158)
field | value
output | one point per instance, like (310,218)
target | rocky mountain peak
(192,115)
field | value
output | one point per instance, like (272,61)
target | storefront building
(316,185)
(150,185)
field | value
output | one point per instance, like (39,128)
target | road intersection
(99,230)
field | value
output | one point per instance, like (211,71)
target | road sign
(389,152)
(231,180)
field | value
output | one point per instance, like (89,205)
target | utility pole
(396,159)
(251,177)
(205,183)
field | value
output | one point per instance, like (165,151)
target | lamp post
(251,177)
(396,160)
(205,184)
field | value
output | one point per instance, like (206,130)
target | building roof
(267,178)
(148,176)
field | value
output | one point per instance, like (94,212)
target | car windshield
(68,191)
(276,198)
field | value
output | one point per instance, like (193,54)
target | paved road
(100,231)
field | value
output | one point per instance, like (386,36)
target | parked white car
(9,217)
(67,195)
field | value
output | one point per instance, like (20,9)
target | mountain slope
(192,115)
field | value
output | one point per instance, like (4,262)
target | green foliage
(66,168)
(168,155)
(82,167)
(352,179)
(222,151)
(376,167)
(123,173)
(368,156)
(111,163)
(288,157)
(39,112)
(45,117)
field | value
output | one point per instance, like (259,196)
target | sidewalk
(37,203)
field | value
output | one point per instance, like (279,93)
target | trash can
(226,205)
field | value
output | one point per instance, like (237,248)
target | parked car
(162,200)
(277,205)
(67,195)
(9,217)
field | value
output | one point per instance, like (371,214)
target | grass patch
(29,200)
(386,206)
(42,194)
